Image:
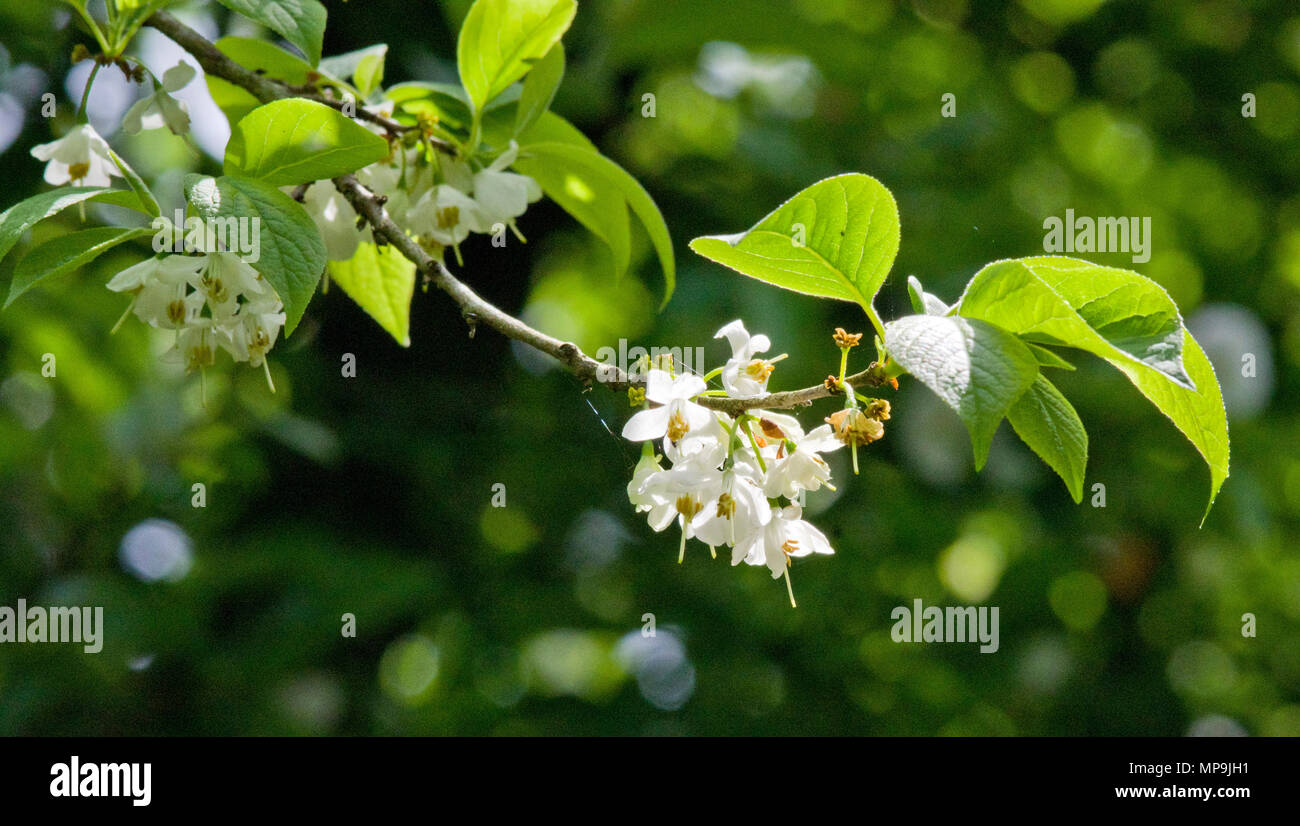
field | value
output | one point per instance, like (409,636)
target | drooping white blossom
(786,535)
(80,157)
(159,108)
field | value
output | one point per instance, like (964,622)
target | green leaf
(835,239)
(1199,413)
(382,282)
(364,67)
(924,303)
(443,102)
(1125,319)
(259,56)
(502,39)
(66,253)
(586,171)
(369,74)
(301,22)
(1047,358)
(582,194)
(1048,423)
(295,141)
(18,218)
(138,186)
(539,88)
(1109,312)
(292,254)
(978,369)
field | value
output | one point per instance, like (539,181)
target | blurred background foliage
(371,495)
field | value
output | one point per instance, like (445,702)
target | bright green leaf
(301,22)
(588,167)
(259,56)
(295,141)
(1047,358)
(16,220)
(502,39)
(138,186)
(581,193)
(1109,312)
(292,254)
(1122,317)
(1199,413)
(266,58)
(445,102)
(66,253)
(382,281)
(539,88)
(369,74)
(364,67)
(835,239)
(978,369)
(1048,423)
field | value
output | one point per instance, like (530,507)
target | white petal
(688,385)
(131,121)
(134,276)
(178,77)
(699,418)
(647,424)
(820,440)
(658,386)
(736,335)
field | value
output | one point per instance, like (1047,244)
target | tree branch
(473,307)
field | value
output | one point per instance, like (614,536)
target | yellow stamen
(677,427)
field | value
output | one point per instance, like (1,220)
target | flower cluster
(214,301)
(737,481)
(438,198)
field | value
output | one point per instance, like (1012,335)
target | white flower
(447,215)
(160,109)
(171,269)
(786,535)
(676,416)
(801,468)
(701,446)
(400,181)
(79,157)
(195,346)
(334,217)
(503,195)
(456,174)
(244,318)
(681,492)
(744,375)
(739,509)
(224,278)
(260,325)
(647,467)
(167,306)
